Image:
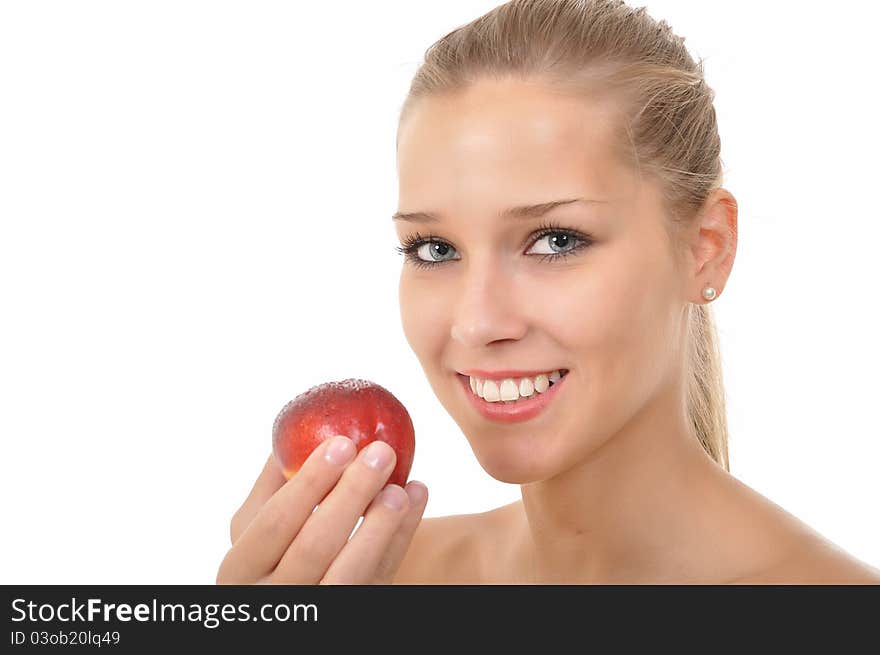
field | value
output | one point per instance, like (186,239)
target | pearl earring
(709,293)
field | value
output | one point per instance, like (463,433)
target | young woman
(564,230)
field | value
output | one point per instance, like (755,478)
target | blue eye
(429,247)
(567,241)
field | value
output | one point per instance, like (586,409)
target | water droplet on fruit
(353,384)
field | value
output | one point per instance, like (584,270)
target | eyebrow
(522,212)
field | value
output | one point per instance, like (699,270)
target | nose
(489,309)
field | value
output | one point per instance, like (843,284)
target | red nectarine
(361,410)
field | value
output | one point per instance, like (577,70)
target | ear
(713,245)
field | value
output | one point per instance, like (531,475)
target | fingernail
(417,492)
(339,450)
(378,455)
(393,496)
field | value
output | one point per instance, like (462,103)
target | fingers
(375,552)
(400,540)
(327,530)
(266,539)
(271,479)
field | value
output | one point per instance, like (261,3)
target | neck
(620,515)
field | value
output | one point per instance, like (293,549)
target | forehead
(504,141)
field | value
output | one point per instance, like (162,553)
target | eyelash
(411,245)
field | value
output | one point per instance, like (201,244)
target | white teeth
(542,383)
(490,391)
(510,390)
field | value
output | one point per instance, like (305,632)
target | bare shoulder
(769,545)
(816,561)
(807,557)
(433,548)
(451,549)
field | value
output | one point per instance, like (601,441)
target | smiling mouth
(509,390)
(512,411)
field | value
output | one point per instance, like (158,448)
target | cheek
(613,319)
(424,315)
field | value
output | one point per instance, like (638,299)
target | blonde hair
(606,50)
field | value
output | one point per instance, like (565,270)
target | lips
(523,409)
(500,375)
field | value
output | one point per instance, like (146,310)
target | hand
(279,536)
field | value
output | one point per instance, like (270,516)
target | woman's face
(610,311)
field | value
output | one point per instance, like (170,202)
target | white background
(195,201)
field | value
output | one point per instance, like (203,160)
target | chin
(514,460)
(517,453)
(513,475)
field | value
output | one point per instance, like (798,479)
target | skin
(299,531)
(615,487)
